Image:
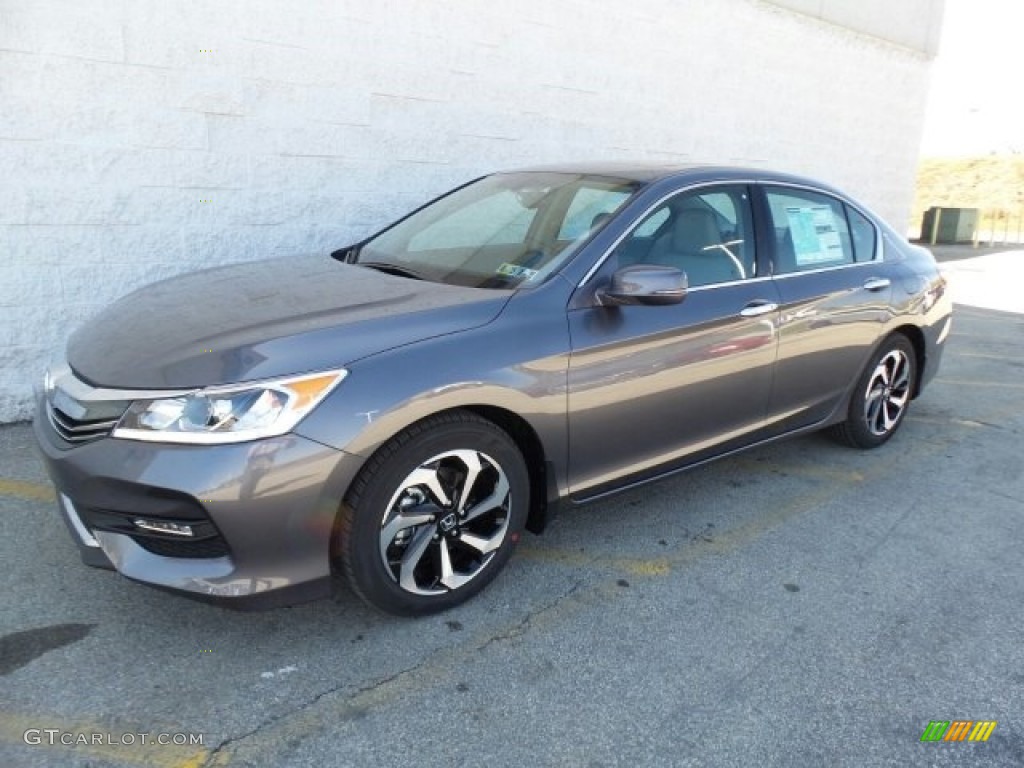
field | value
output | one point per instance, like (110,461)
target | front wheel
(434,514)
(880,401)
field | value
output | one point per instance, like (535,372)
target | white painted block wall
(142,138)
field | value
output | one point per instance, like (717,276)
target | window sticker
(511,270)
(815,235)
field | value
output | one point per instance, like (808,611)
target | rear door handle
(757,308)
(877,284)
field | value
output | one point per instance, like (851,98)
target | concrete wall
(139,138)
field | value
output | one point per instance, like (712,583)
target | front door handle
(877,284)
(757,308)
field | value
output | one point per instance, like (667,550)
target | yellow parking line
(971,383)
(798,470)
(721,542)
(108,742)
(22,490)
(655,566)
(986,336)
(337,708)
(1000,358)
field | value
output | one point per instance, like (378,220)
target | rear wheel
(880,401)
(434,515)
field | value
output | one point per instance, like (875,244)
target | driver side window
(707,233)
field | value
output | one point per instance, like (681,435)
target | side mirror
(644,284)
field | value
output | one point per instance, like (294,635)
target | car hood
(263,319)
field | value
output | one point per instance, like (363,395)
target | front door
(652,387)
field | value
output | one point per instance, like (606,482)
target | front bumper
(261,514)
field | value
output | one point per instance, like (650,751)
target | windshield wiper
(391,269)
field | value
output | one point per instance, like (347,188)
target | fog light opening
(164,526)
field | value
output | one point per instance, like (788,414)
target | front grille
(80,412)
(78,430)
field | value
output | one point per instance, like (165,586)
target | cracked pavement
(799,604)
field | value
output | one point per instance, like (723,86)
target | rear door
(834,299)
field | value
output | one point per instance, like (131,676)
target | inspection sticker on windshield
(511,270)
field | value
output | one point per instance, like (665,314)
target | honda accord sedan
(399,412)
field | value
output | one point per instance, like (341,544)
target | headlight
(230,414)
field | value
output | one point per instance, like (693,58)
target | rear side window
(811,231)
(862,231)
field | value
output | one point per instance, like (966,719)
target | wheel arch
(916,338)
(543,489)
(544,493)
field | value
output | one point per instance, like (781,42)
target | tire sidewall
(362,549)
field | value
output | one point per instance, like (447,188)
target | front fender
(517,363)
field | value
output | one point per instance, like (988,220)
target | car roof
(649,173)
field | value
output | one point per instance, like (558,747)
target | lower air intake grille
(215,547)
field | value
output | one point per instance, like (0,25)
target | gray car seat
(694,245)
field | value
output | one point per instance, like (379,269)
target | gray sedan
(401,412)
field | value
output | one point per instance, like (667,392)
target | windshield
(500,231)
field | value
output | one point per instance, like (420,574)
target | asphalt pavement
(803,604)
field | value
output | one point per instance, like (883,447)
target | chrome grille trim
(74,431)
(79,412)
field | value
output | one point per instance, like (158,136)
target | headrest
(694,230)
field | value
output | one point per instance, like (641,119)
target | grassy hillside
(994,184)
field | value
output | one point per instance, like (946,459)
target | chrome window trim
(743,281)
(879,254)
(651,209)
(787,275)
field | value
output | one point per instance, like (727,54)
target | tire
(410,538)
(882,396)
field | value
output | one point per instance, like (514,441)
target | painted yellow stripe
(13,727)
(800,470)
(975,383)
(654,566)
(442,665)
(980,356)
(723,541)
(983,336)
(22,490)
